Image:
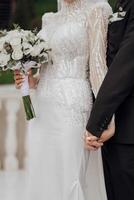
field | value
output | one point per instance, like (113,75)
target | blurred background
(13,126)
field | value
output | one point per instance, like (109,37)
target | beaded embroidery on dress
(59,166)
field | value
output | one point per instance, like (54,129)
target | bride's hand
(20,78)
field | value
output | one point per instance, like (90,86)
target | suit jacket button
(101,129)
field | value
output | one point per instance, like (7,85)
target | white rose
(43,46)
(14,33)
(35,51)
(26,33)
(27,48)
(17,47)
(43,43)
(28,36)
(15,41)
(4,59)
(17,55)
(2,42)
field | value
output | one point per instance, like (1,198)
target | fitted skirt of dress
(59,167)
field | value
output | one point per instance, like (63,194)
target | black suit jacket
(117,91)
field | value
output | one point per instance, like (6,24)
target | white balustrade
(11,162)
(0,110)
(12,128)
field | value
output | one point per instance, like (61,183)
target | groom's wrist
(95,131)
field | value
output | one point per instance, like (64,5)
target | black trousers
(118,161)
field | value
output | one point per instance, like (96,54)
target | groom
(116,96)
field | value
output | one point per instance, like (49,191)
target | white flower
(2,42)
(15,41)
(4,59)
(28,36)
(25,32)
(43,45)
(14,37)
(17,47)
(27,48)
(22,44)
(17,55)
(36,50)
(14,33)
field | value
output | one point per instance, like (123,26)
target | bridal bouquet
(22,50)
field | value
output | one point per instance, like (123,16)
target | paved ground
(12,185)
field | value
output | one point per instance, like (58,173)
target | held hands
(94,143)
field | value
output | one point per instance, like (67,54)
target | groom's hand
(107,134)
(92,142)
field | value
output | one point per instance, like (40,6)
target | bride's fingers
(90,148)
(19,81)
(95,144)
(92,142)
(18,86)
(100,141)
(17,77)
(91,138)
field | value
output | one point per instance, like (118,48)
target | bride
(59,166)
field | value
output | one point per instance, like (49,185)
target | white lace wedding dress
(59,167)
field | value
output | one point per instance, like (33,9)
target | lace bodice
(78,43)
(77,40)
(68,39)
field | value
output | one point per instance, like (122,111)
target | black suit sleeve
(117,85)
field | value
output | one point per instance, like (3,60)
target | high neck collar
(74,6)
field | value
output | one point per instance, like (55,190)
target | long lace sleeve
(42,33)
(98,44)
